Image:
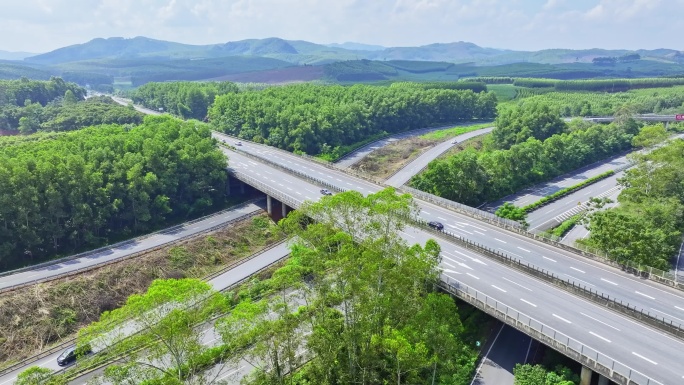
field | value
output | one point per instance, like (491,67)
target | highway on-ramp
(405,174)
(354,157)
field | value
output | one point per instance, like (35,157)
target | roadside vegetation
(646,227)
(384,162)
(530,144)
(317,119)
(83,189)
(351,304)
(42,315)
(188,100)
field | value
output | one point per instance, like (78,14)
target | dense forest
(18,92)
(646,227)
(189,100)
(84,188)
(66,114)
(513,161)
(319,119)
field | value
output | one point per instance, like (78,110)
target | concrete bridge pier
(603,380)
(284,209)
(269,205)
(585,376)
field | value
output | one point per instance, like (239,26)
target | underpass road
(647,295)
(126,249)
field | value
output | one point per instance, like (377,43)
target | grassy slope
(48,313)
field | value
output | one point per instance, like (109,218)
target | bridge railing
(666,278)
(600,363)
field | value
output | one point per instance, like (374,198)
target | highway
(553,214)
(221,282)
(125,249)
(510,347)
(405,174)
(630,343)
(354,157)
(658,299)
(536,192)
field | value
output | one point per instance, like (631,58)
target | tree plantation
(66,114)
(646,227)
(473,177)
(189,100)
(82,189)
(319,119)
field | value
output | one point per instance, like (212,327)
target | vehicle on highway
(238,143)
(325,191)
(454,142)
(436,225)
(70,354)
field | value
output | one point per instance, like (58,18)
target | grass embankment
(566,226)
(384,162)
(42,315)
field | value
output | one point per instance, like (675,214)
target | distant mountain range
(7,55)
(303,52)
(122,62)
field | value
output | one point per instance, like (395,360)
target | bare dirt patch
(385,161)
(46,314)
(277,76)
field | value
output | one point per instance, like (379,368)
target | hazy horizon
(41,26)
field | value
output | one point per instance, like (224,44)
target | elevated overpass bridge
(550,293)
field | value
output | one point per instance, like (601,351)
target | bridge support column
(603,380)
(585,376)
(284,206)
(269,205)
(242,187)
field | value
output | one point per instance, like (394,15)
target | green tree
(166,321)
(34,375)
(650,136)
(510,211)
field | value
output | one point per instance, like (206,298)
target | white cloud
(40,25)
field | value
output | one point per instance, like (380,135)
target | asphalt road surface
(510,347)
(553,214)
(405,174)
(134,246)
(630,343)
(658,299)
(356,156)
(221,282)
(536,192)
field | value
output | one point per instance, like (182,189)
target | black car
(436,225)
(70,354)
(325,191)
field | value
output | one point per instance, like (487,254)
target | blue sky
(43,25)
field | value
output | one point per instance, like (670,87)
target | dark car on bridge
(70,354)
(436,225)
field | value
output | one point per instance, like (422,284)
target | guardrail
(676,330)
(587,356)
(69,342)
(666,278)
(88,369)
(129,256)
(122,243)
(441,153)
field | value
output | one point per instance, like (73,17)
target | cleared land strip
(132,248)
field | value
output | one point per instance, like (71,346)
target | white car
(238,143)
